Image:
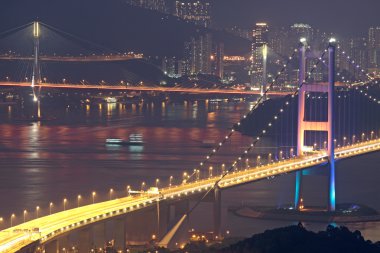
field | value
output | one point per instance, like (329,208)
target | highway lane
(56,224)
(143,88)
(95,58)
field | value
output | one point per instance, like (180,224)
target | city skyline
(316,13)
(159,125)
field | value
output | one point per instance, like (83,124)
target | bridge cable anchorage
(255,106)
(251,146)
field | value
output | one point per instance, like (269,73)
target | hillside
(113,24)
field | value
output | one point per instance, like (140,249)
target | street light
(78,199)
(210,171)
(142,186)
(111,191)
(25,213)
(37,209)
(157,182)
(128,189)
(12,217)
(170,181)
(64,204)
(93,197)
(184,177)
(50,206)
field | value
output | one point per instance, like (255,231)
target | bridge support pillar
(64,243)
(326,126)
(217,213)
(99,234)
(301,115)
(52,247)
(141,226)
(264,81)
(181,237)
(331,151)
(119,234)
(85,240)
(163,219)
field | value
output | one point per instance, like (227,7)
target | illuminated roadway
(144,88)
(51,226)
(90,58)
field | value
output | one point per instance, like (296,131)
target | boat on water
(110,100)
(134,139)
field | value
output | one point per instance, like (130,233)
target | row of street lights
(186,177)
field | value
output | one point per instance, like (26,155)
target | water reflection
(45,162)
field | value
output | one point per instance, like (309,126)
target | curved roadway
(49,227)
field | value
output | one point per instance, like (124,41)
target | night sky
(345,17)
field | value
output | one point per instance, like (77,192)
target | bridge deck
(49,227)
(144,88)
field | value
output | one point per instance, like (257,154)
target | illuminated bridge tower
(326,126)
(263,87)
(36,77)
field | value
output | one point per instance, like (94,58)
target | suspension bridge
(34,69)
(327,123)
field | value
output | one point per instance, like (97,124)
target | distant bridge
(144,88)
(90,58)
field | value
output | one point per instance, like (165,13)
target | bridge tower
(326,126)
(263,87)
(36,77)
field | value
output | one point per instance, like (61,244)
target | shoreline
(317,217)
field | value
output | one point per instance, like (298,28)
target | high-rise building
(157,5)
(169,65)
(259,39)
(197,55)
(302,31)
(374,47)
(277,41)
(240,32)
(219,60)
(196,12)
(357,49)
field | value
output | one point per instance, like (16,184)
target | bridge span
(89,58)
(45,229)
(145,88)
